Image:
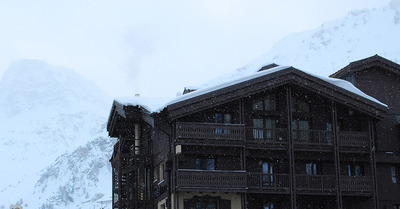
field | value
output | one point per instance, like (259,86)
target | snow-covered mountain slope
(335,44)
(45,111)
(81,179)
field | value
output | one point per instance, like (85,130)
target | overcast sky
(155,48)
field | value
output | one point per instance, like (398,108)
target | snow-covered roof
(243,74)
(225,81)
(151,104)
(347,86)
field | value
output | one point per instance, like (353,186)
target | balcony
(353,140)
(356,184)
(238,135)
(214,180)
(316,183)
(265,182)
(214,133)
(312,139)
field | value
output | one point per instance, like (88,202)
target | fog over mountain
(45,111)
(54,146)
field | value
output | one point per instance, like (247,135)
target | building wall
(385,87)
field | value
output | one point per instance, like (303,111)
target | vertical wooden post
(339,201)
(291,149)
(373,163)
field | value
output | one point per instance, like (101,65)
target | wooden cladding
(216,179)
(356,183)
(188,180)
(354,139)
(264,181)
(316,182)
(215,131)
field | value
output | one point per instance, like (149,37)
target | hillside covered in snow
(335,44)
(45,112)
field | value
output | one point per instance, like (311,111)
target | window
(355,170)
(301,130)
(206,202)
(258,125)
(158,172)
(266,103)
(161,175)
(264,128)
(155,174)
(268,170)
(312,169)
(394,171)
(269,205)
(205,163)
(223,118)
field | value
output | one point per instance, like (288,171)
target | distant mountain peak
(28,84)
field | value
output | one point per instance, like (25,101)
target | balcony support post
(373,162)
(244,200)
(292,178)
(339,201)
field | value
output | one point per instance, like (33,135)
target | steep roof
(375,60)
(241,86)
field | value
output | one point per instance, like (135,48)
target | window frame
(315,168)
(202,163)
(394,174)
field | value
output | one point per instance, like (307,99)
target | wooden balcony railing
(237,132)
(268,181)
(353,139)
(313,137)
(214,131)
(316,182)
(215,179)
(356,183)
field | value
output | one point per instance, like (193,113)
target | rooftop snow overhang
(270,79)
(373,61)
(122,113)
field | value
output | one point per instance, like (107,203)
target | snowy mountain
(335,44)
(85,178)
(45,111)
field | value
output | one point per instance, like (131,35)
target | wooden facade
(279,140)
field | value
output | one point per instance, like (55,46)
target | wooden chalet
(275,138)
